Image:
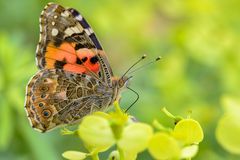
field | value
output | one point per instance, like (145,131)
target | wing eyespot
(43,88)
(46,113)
(43,95)
(40,104)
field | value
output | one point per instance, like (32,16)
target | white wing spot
(39,130)
(53,23)
(79,17)
(30,121)
(55,16)
(54,32)
(40,37)
(41,29)
(71,30)
(26,112)
(37,48)
(65,14)
(75,29)
(89,31)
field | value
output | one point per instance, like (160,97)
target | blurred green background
(199,43)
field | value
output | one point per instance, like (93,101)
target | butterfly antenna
(134,101)
(147,64)
(143,57)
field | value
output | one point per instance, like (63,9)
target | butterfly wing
(67,42)
(56,97)
(74,77)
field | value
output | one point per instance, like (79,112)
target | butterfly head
(121,82)
(124,82)
(118,84)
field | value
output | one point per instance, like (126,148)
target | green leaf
(36,142)
(188,131)
(162,146)
(74,155)
(6,125)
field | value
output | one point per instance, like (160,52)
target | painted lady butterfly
(74,77)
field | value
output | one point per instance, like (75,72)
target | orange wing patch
(66,57)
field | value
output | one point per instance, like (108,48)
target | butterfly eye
(120,83)
(46,113)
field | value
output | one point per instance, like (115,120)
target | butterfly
(74,77)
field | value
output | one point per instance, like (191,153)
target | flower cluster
(100,131)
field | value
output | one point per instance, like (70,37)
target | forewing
(106,70)
(67,42)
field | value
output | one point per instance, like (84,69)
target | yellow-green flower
(100,131)
(164,146)
(188,131)
(228,126)
(189,152)
(135,137)
(96,133)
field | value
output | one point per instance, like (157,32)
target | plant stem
(117,107)
(170,115)
(121,153)
(160,127)
(95,156)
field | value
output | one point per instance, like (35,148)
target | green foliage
(9,89)
(101,131)
(199,43)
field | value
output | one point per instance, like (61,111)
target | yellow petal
(96,133)
(228,131)
(135,137)
(163,146)
(130,156)
(74,155)
(188,131)
(189,152)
